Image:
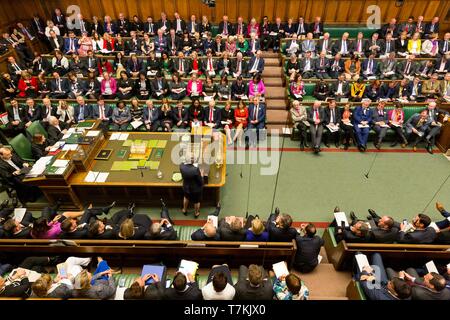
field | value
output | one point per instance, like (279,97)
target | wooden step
(275,93)
(272,62)
(277,116)
(272,71)
(273,82)
(270,54)
(278,104)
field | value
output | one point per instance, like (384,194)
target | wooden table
(142,186)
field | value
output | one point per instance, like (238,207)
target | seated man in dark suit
(231,229)
(418,232)
(56,130)
(77,229)
(383,288)
(183,288)
(358,231)
(17,117)
(432,286)
(107,228)
(256,64)
(256,118)
(279,227)
(211,115)
(383,229)
(253,284)
(18,229)
(59,87)
(308,248)
(140,290)
(12,172)
(162,230)
(206,233)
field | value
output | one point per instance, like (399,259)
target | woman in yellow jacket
(357,90)
(415,44)
(352,68)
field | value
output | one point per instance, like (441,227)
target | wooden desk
(141,186)
(443,140)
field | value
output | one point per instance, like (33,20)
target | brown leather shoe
(414,148)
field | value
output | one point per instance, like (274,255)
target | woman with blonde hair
(241,118)
(415,44)
(46,287)
(134,227)
(85,45)
(230,45)
(65,112)
(255,229)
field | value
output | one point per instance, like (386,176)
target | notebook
(152,269)
(280,269)
(187,267)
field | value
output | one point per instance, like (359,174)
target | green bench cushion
(184,232)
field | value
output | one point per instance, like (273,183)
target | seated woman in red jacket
(27,86)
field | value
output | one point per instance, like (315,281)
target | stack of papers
(280,269)
(118,136)
(124,165)
(94,176)
(341,217)
(70,147)
(431,267)
(214,220)
(362,261)
(93,133)
(39,167)
(19,213)
(60,163)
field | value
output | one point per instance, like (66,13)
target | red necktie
(179,113)
(210,65)
(210,115)
(317,115)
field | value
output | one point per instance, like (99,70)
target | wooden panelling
(332,11)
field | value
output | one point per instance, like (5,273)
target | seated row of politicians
(336,124)
(56,120)
(378,282)
(31,279)
(384,229)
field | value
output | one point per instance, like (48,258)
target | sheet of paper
(123,136)
(188,267)
(434,226)
(39,166)
(70,147)
(280,269)
(93,133)
(60,170)
(362,261)
(19,213)
(363,126)
(60,163)
(431,267)
(64,137)
(214,220)
(136,124)
(208,98)
(340,216)
(319,258)
(115,136)
(332,128)
(91,176)
(102,176)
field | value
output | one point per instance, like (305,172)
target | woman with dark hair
(125,87)
(104,66)
(177,87)
(142,87)
(352,68)
(209,89)
(223,89)
(121,117)
(153,64)
(241,118)
(357,90)
(136,114)
(43,86)
(166,63)
(137,25)
(372,92)
(119,63)
(45,229)
(92,86)
(346,126)
(166,116)
(195,113)
(227,120)
(186,44)
(39,146)
(256,87)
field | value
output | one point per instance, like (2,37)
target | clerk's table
(133,167)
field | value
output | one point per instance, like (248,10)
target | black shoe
(378,146)
(131,207)
(162,202)
(302,146)
(15,202)
(337,209)
(277,211)
(54,260)
(4,204)
(430,149)
(337,145)
(327,145)
(306,144)
(111,206)
(373,214)
(353,216)
(346,146)
(393,144)
(184,212)
(369,217)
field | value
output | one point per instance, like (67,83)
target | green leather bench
(22,146)
(337,31)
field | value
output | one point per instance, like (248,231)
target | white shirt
(12,164)
(209,293)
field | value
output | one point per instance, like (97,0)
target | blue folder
(153,269)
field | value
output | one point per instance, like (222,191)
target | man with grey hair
(316,117)
(162,230)
(55,130)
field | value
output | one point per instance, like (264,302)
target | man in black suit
(56,130)
(444,44)
(56,42)
(336,67)
(40,65)
(159,86)
(162,230)
(17,117)
(231,229)
(107,228)
(279,227)
(163,23)
(192,184)
(11,170)
(184,287)
(178,24)
(239,66)
(59,20)
(238,89)
(240,27)
(211,115)
(72,228)
(123,25)
(432,27)
(308,248)
(331,124)
(150,27)
(19,47)
(316,28)
(59,86)
(225,27)
(206,233)
(96,27)
(134,66)
(173,42)
(253,284)
(133,45)
(18,229)
(383,228)
(277,33)
(340,88)
(419,232)
(38,28)
(301,28)
(434,128)
(316,118)
(379,123)
(15,69)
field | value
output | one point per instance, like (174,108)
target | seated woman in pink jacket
(108,86)
(194,87)
(256,87)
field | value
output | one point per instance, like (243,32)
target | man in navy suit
(102,112)
(81,111)
(256,64)
(379,123)
(211,116)
(160,42)
(369,67)
(361,119)
(71,44)
(59,86)
(152,116)
(256,116)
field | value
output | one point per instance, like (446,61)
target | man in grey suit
(121,117)
(309,44)
(379,123)
(253,284)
